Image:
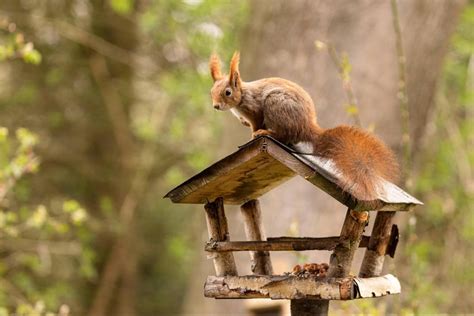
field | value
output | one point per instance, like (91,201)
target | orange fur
(215,67)
(361,158)
(234,69)
(282,109)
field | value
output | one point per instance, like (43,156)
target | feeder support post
(375,254)
(218,229)
(351,235)
(252,215)
(341,260)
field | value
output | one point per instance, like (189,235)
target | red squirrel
(284,110)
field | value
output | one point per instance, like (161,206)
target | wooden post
(351,234)
(375,254)
(341,260)
(224,263)
(251,212)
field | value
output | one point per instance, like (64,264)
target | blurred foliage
(439,239)
(14,45)
(435,258)
(36,241)
(120,100)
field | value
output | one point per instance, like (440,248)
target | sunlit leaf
(3,134)
(352,109)
(122,6)
(38,218)
(70,206)
(32,57)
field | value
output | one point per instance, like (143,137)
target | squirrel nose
(217,106)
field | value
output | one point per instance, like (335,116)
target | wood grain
(264,163)
(252,215)
(280,244)
(224,263)
(295,288)
(379,240)
(349,240)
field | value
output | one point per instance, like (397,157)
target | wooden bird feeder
(254,169)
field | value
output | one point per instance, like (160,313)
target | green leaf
(122,6)
(352,109)
(78,216)
(6,51)
(32,57)
(4,311)
(38,218)
(3,134)
(70,206)
(26,138)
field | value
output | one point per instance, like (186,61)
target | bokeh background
(104,107)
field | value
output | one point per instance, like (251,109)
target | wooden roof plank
(246,174)
(264,163)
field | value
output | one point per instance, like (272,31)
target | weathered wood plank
(263,164)
(224,263)
(252,215)
(290,287)
(244,175)
(280,244)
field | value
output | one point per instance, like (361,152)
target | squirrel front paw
(261,132)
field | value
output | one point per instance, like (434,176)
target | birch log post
(341,260)
(375,254)
(251,213)
(224,263)
(351,235)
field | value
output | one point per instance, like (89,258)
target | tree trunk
(116,290)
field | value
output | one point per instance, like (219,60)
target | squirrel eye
(228,92)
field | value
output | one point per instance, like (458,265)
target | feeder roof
(264,163)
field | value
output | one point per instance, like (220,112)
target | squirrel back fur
(285,111)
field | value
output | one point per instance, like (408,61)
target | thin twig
(344,74)
(98,44)
(402,95)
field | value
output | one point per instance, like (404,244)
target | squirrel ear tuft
(234,77)
(215,67)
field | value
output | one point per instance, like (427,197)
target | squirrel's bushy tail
(360,157)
